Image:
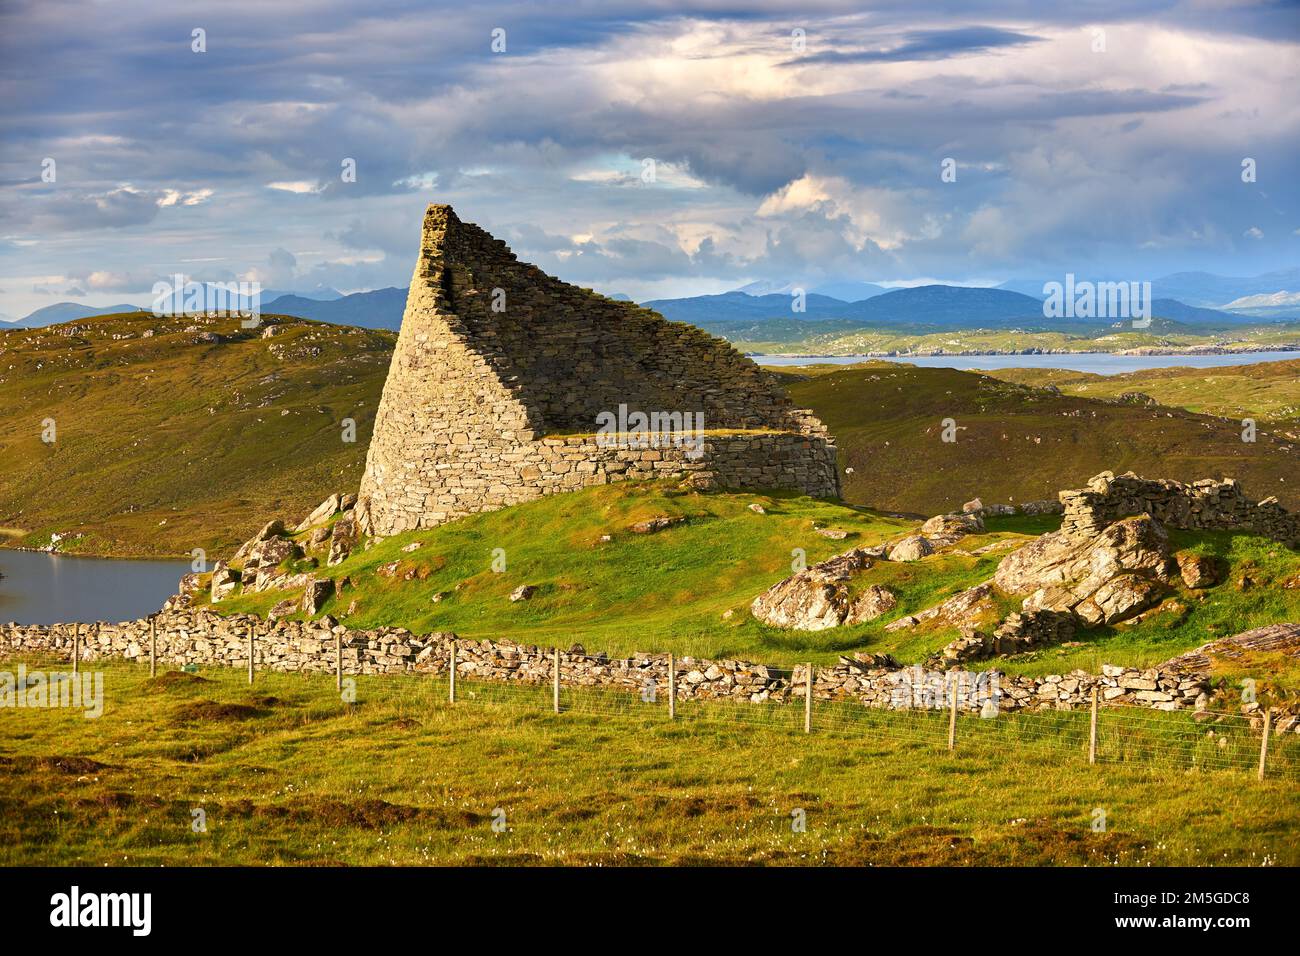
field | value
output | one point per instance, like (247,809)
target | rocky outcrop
(944,530)
(343,539)
(1282,638)
(1103,578)
(821,597)
(1197,570)
(912,548)
(224,581)
(324,511)
(960,610)
(315,593)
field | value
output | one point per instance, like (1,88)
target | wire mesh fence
(1181,739)
(1178,739)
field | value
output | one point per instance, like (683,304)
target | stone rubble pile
(1203,505)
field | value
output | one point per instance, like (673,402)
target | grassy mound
(685,588)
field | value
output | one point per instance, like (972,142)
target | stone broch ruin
(501,372)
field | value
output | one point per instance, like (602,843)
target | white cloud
(299,186)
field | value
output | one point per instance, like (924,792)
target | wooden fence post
(451,673)
(153,646)
(1092,730)
(1263,744)
(76,647)
(952,719)
(250,655)
(807,699)
(672,687)
(338,663)
(555,689)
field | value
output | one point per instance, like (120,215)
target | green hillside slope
(1268,391)
(1015,443)
(166,442)
(687,588)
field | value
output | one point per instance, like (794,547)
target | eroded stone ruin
(501,376)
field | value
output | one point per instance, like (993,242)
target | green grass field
(286,773)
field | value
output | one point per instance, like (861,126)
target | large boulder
(964,609)
(315,594)
(274,579)
(270,552)
(912,548)
(1197,570)
(1119,598)
(1068,570)
(323,511)
(343,539)
(943,530)
(224,581)
(870,604)
(820,597)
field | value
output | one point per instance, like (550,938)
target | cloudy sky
(1104,138)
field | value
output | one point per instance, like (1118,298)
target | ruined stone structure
(501,373)
(1201,506)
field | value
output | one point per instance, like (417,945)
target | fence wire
(1125,733)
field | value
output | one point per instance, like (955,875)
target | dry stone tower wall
(501,372)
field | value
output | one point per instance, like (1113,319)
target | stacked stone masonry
(500,374)
(1201,506)
(204,638)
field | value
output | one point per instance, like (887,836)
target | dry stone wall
(1203,505)
(203,637)
(500,374)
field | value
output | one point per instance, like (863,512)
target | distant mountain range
(1191,288)
(765,311)
(920,308)
(71,311)
(68,312)
(844,291)
(377,309)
